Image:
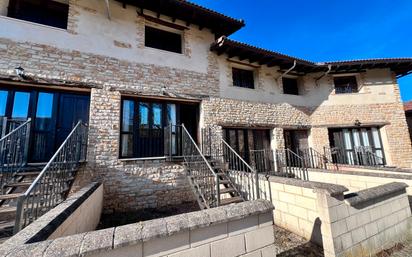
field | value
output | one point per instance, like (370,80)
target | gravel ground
(290,245)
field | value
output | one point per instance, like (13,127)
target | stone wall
(128,185)
(244,229)
(247,114)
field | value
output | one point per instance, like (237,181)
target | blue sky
(324,30)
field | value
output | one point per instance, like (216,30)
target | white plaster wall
(376,86)
(96,35)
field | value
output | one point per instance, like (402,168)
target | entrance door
(72,108)
(296,140)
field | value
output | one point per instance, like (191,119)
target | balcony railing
(279,162)
(13,150)
(53,183)
(360,156)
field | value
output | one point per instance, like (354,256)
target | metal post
(27,143)
(4,127)
(257,184)
(19,215)
(217,190)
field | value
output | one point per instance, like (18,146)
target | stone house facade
(102,54)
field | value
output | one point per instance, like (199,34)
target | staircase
(29,191)
(207,176)
(14,189)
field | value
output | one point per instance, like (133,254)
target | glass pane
(144,115)
(376,139)
(127,116)
(171,114)
(3,102)
(157,115)
(44,111)
(143,120)
(21,105)
(365,137)
(127,145)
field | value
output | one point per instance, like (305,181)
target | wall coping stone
(98,241)
(43,227)
(328,188)
(375,193)
(366,173)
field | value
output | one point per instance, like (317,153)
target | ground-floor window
(53,114)
(245,141)
(357,146)
(143,122)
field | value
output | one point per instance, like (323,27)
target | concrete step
(226,201)
(20,184)
(10,196)
(224,181)
(29,173)
(7,212)
(227,190)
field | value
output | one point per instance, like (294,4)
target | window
(163,40)
(45,12)
(347,84)
(142,128)
(290,86)
(3,101)
(243,78)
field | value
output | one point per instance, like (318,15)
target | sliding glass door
(357,146)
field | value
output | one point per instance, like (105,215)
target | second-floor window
(345,84)
(290,86)
(46,12)
(164,40)
(243,78)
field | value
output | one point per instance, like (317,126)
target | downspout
(325,74)
(278,80)
(289,70)
(108,9)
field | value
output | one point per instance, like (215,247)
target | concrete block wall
(366,222)
(85,218)
(79,213)
(244,229)
(352,224)
(360,179)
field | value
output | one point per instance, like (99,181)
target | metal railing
(281,162)
(201,174)
(360,156)
(53,183)
(7,125)
(173,141)
(313,159)
(14,148)
(244,177)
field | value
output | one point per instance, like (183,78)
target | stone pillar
(277,141)
(319,138)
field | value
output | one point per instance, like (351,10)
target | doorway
(296,140)
(53,114)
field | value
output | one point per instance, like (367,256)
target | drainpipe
(325,74)
(108,9)
(289,70)
(285,73)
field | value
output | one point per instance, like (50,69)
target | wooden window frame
(19,9)
(286,87)
(163,45)
(348,88)
(243,78)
